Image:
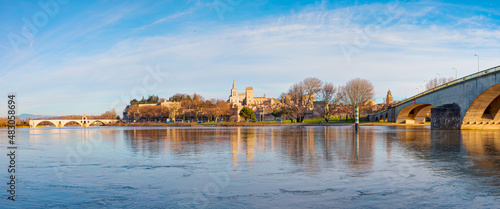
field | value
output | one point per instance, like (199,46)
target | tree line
(186,107)
(342,99)
(298,101)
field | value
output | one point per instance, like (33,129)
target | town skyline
(196,47)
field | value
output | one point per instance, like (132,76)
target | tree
(356,92)
(173,110)
(179,97)
(328,92)
(437,82)
(277,113)
(330,100)
(109,115)
(247,113)
(198,97)
(220,108)
(302,96)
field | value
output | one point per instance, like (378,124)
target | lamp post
(456,77)
(477,62)
(418,90)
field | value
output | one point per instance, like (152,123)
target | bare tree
(173,109)
(331,99)
(328,92)
(109,115)
(302,95)
(312,85)
(435,82)
(356,92)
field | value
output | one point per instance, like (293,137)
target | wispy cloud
(171,17)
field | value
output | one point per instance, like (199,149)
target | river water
(254,167)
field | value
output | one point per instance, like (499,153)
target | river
(253,167)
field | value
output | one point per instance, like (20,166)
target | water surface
(255,167)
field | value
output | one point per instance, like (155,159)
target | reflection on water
(262,167)
(306,146)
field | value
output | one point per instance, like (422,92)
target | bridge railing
(456,81)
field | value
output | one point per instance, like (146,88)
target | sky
(64,57)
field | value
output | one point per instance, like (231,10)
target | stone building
(247,99)
(173,106)
(388,99)
(262,106)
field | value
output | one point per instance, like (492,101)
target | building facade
(247,98)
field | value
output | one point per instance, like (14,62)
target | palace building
(247,98)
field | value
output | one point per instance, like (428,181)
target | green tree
(247,113)
(276,113)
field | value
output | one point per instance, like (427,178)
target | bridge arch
(97,122)
(38,122)
(414,113)
(67,122)
(484,110)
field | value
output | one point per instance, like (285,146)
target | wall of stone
(446,117)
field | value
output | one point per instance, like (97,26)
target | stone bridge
(84,122)
(471,102)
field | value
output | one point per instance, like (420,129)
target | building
(172,106)
(247,98)
(388,99)
(261,105)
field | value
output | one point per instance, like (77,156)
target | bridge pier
(446,117)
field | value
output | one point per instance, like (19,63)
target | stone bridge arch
(97,122)
(69,121)
(414,113)
(484,111)
(50,121)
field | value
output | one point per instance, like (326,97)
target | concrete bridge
(84,122)
(471,102)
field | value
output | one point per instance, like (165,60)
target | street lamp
(418,90)
(456,77)
(438,75)
(477,62)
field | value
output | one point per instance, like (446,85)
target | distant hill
(35,116)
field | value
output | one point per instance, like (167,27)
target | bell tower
(388,99)
(233,98)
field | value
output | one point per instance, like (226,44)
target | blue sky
(86,57)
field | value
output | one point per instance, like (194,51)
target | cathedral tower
(388,99)
(234,96)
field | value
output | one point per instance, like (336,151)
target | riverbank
(309,122)
(265,123)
